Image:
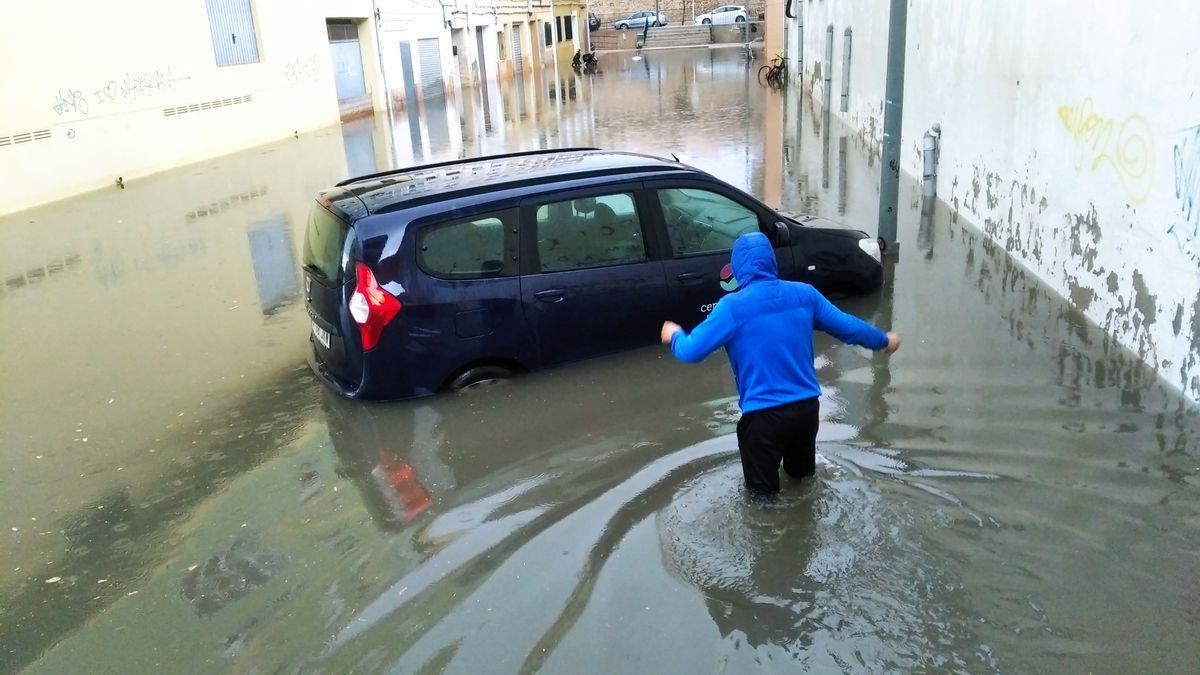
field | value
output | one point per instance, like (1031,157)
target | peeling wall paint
(1070,139)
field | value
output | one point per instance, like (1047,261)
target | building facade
(1068,137)
(132,91)
(430,50)
(678,12)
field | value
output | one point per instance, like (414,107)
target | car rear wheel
(480,377)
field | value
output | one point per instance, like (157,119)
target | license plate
(320,334)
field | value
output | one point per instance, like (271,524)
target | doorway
(348,77)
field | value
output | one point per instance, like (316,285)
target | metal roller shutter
(232,25)
(430,53)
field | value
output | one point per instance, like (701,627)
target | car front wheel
(740,19)
(707,22)
(621,26)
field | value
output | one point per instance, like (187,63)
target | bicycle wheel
(764,73)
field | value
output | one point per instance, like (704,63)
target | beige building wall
(132,89)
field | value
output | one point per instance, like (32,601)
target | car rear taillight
(371,307)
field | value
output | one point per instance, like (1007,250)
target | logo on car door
(729,283)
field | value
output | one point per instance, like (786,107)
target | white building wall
(131,91)
(1069,136)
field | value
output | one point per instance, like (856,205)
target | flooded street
(1011,492)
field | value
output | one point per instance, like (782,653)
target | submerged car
(448,275)
(640,19)
(723,15)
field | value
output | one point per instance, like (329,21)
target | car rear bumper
(386,376)
(320,370)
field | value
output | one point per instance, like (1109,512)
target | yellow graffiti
(1124,145)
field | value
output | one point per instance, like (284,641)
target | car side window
(700,221)
(589,232)
(465,249)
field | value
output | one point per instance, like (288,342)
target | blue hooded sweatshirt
(766,328)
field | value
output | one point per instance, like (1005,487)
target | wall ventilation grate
(26,137)
(206,105)
(214,208)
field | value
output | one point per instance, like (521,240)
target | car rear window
(472,248)
(323,242)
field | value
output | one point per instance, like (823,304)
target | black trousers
(786,432)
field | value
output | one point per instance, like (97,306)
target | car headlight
(871,247)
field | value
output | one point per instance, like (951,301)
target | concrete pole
(387,91)
(773,38)
(773,137)
(378,25)
(893,116)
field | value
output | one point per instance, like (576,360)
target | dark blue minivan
(450,275)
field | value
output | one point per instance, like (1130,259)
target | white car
(722,15)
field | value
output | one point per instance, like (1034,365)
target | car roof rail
(461,160)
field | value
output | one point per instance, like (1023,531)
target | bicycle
(774,74)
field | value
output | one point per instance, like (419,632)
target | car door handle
(685,277)
(550,295)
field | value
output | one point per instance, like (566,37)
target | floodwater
(179,494)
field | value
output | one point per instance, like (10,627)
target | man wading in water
(766,328)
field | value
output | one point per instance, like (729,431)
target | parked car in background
(593,21)
(723,15)
(448,275)
(640,19)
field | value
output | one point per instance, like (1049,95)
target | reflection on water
(1010,492)
(271,252)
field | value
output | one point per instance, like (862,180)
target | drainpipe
(828,93)
(800,54)
(929,154)
(893,117)
(847,37)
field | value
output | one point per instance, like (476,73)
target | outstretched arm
(851,329)
(709,336)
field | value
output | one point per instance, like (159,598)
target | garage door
(516,47)
(430,51)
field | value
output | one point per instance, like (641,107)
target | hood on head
(753,259)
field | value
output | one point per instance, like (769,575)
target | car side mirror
(783,233)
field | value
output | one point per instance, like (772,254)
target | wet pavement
(1009,492)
